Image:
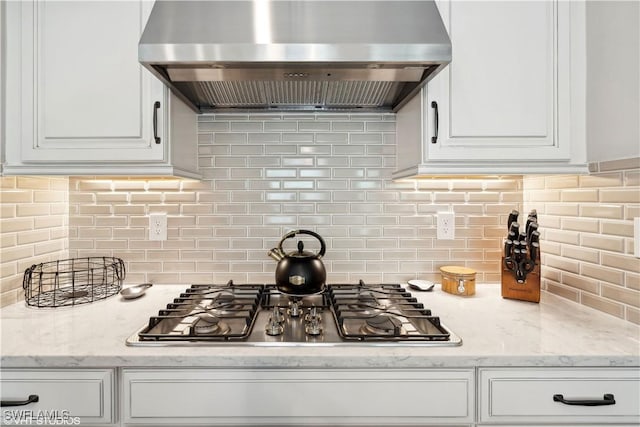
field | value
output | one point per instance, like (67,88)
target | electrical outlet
(636,237)
(158,226)
(446,223)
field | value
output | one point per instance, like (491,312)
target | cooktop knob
(294,309)
(277,315)
(312,314)
(313,326)
(274,328)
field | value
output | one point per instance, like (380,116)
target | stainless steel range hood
(295,54)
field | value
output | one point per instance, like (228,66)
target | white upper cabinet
(512,99)
(78,101)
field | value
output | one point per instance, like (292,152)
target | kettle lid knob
(300,247)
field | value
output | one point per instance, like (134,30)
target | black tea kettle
(299,272)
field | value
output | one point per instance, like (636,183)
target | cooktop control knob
(274,328)
(313,313)
(313,326)
(277,315)
(294,309)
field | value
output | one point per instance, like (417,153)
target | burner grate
(385,312)
(207,313)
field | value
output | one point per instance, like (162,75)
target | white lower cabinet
(58,397)
(534,396)
(298,396)
(162,397)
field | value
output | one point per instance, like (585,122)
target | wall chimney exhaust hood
(337,55)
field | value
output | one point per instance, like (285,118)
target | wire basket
(72,281)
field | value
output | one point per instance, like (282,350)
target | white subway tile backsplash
(315,196)
(365,138)
(217,126)
(280,173)
(281,220)
(244,126)
(281,126)
(229,162)
(297,137)
(241,173)
(366,185)
(232,138)
(332,138)
(265,174)
(298,185)
(305,126)
(377,126)
(587,239)
(352,126)
(297,161)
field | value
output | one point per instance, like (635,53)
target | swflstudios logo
(38,418)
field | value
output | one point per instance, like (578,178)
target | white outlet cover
(158,226)
(446,226)
(636,237)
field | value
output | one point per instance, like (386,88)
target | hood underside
(295,54)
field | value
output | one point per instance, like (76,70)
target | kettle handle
(323,246)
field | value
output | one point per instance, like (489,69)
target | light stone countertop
(495,332)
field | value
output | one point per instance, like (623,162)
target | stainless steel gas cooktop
(260,315)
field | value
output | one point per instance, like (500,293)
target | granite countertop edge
(318,362)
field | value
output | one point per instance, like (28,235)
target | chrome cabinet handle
(434,138)
(156,106)
(607,399)
(33,398)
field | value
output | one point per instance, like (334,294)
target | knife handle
(508,246)
(533,251)
(515,228)
(535,237)
(513,217)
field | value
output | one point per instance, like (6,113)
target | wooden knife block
(527,291)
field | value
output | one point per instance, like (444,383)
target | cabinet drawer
(62,394)
(304,396)
(527,395)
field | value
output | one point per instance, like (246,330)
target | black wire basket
(72,281)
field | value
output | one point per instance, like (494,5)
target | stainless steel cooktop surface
(260,315)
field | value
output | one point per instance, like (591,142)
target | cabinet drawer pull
(607,399)
(31,399)
(156,106)
(434,138)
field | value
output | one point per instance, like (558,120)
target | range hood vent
(363,55)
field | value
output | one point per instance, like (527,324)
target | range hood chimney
(336,55)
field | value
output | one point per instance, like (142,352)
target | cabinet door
(599,396)
(298,397)
(64,397)
(85,98)
(505,94)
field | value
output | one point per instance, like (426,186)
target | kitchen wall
(587,235)
(269,173)
(33,228)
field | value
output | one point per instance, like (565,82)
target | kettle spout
(276,254)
